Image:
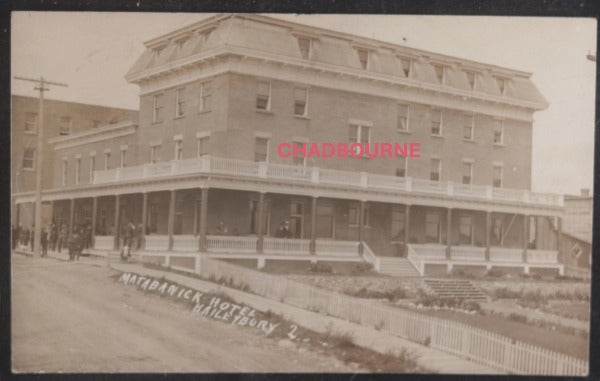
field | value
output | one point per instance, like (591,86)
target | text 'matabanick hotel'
(200,168)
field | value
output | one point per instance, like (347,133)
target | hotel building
(200,169)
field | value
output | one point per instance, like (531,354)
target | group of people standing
(55,238)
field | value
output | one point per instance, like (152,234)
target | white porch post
(171,219)
(261,223)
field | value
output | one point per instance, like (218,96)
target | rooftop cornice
(222,51)
(93,133)
(353,39)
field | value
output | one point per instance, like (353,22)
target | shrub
(517,317)
(361,268)
(321,267)
(494,273)
(342,340)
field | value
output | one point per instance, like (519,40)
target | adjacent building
(201,171)
(60,119)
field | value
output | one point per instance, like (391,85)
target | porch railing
(156,242)
(188,243)
(467,253)
(542,256)
(416,260)
(371,258)
(104,242)
(502,254)
(286,246)
(216,165)
(429,251)
(337,248)
(230,244)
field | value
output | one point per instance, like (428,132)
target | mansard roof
(277,39)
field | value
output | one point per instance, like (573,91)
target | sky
(92,51)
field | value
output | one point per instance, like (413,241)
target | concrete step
(398,267)
(454,288)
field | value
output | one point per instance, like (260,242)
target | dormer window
(501,84)
(405,62)
(304,44)
(363,57)
(439,73)
(471,78)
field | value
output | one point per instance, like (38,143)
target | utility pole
(39,153)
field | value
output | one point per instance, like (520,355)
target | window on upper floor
(359,133)
(179,102)
(467,172)
(468,127)
(65,169)
(498,127)
(107,160)
(263,96)
(435,116)
(202,145)
(77,170)
(205,97)
(122,162)
(363,57)
(95,123)
(178,149)
(304,43)
(92,167)
(154,153)
(299,160)
(261,149)
(471,78)
(64,125)
(401,169)
(435,169)
(497,173)
(29,158)
(31,119)
(300,101)
(403,110)
(157,108)
(405,62)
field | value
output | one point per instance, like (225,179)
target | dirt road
(71,317)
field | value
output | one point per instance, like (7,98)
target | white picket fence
(485,347)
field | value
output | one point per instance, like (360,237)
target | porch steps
(454,288)
(399,267)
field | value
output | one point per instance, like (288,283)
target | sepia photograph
(321,193)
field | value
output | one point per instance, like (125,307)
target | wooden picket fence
(476,344)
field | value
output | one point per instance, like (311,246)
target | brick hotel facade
(200,167)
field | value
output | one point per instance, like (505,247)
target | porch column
(94,213)
(202,232)
(52,213)
(313,227)
(361,227)
(261,222)
(18,214)
(526,236)
(144,218)
(448,233)
(488,228)
(406,229)
(71,216)
(117,213)
(171,219)
(558,232)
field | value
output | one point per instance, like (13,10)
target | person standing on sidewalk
(44,242)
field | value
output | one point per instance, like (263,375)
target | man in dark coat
(44,242)
(284,230)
